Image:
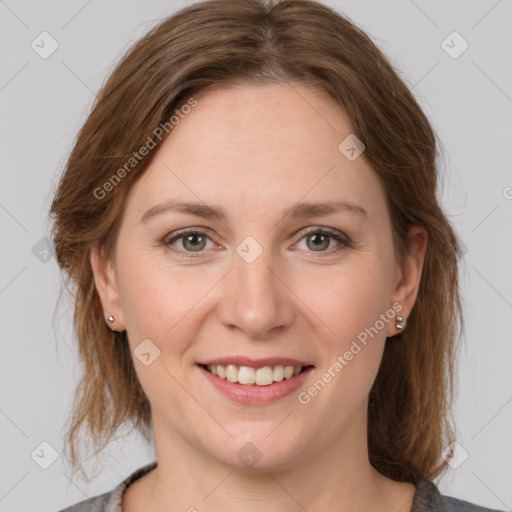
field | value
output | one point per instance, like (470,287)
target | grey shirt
(426,498)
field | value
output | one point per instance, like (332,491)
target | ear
(105,281)
(408,275)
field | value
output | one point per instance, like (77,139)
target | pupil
(190,239)
(315,238)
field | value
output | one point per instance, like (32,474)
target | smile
(259,385)
(246,375)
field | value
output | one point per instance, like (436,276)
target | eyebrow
(299,210)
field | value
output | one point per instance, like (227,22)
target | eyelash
(343,240)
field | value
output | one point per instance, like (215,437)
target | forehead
(272,117)
(273,143)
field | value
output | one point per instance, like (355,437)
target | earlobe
(105,282)
(407,287)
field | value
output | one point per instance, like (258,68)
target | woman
(265,280)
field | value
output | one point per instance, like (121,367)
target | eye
(191,240)
(319,240)
(194,240)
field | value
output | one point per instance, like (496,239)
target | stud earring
(110,320)
(400,323)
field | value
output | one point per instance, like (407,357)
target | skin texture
(255,151)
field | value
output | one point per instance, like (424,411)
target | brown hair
(215,43)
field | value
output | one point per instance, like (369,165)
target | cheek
(352,298)
(162,303)
(353,310)
(157,305)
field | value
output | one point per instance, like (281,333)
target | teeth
(258,376)
(264,376)
(232,373)
(288,372)
(247,375)
(278,373)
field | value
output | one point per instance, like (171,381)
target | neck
(340,478)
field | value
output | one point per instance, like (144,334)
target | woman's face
(251,282)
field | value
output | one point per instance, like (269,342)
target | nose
(256,300)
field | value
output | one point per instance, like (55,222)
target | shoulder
(428,498)
(110,501)
(97,504)
(456,505)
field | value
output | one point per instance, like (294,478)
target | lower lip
(256,395)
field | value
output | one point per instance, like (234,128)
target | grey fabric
(110,501)
(426,499)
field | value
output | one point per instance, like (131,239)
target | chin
(259,451)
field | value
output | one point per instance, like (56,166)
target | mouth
(256,382)
(255,376)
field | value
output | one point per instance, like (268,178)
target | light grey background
(43,103)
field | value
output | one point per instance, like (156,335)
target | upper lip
(256,363)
